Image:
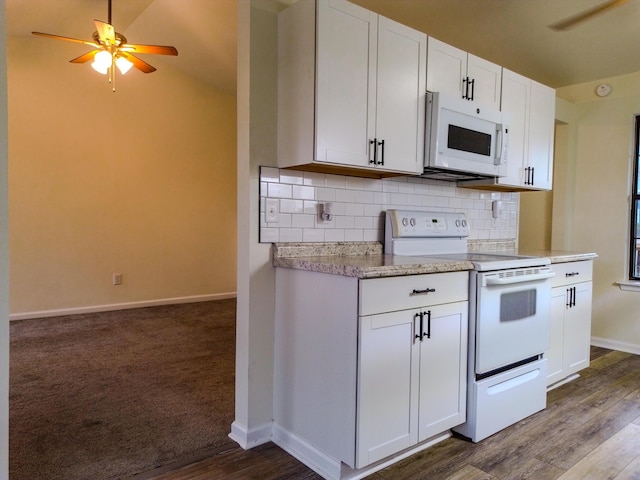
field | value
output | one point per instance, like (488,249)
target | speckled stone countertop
(559,256)
(366,259)
(357,259)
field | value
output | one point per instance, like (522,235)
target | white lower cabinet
(570,320)
(358,379)
(411,383)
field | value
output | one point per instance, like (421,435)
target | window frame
(634,224)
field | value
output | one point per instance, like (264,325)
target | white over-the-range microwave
(463,141)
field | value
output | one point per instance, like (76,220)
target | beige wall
(140,182)
(594,193)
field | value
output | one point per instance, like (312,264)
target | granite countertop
(357,259)
(367,260)
(559,256)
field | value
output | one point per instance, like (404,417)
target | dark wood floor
(590,430)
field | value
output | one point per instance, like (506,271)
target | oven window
(517,305)
(469,140)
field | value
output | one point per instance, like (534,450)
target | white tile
(264,191)
(354,209)
(335,235)
(284,221)
(373,184)
(399,199)
(353,236)
(338,208)
(372,236)
(291,206)
(314,179)
(302,221)
(269,235)
(406,188)
(326,194)
(363,222)
(355,183)
(373,210)
(278,190)
(290,234)
(342,221)
(414,200)
(304,192)
(312,235)
(388,185)
(362,196)
(310,207)
(336,181)
(291,177)
(347,196)
(269,174)
(381,198)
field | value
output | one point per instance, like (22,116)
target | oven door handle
(519,279)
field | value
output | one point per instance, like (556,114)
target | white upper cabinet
(457,72)
(529,112)
(351,89)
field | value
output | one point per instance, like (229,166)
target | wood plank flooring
(589,430)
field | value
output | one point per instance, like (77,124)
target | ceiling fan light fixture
(123,64)
(102,62)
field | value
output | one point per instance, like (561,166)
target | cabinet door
(554,355)
(446,67)
(577,330)
(346,62)
(487,81)
(387,386)
(443,370)
(400,99)
(516,91)
(541,133)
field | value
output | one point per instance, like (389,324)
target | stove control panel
(411,223)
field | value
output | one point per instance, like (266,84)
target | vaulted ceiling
(512,33)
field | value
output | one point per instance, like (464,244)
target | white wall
(4,257)
(596,200)
(257,40)
(139,182)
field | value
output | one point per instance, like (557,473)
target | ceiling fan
(111,50)
(586,15)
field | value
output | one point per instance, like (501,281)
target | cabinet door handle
(381,162)
(533,175)
(472,82)
(422,292)
(428,332)
(568,303)
(465,88)
(416,335)
(373,142)
(573,297)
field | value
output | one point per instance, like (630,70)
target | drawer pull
(422,292)
(571,274)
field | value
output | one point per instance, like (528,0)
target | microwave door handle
(498,160)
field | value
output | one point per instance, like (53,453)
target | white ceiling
(512,33)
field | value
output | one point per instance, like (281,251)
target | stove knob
(458,223)
(412,222)
(464,223)
(405,221)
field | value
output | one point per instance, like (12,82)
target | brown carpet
(111,395)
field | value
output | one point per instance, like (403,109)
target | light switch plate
(272,210)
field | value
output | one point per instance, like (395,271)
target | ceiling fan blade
(155,49)
(581,17)
(106,32)
(85,57)
(139,64)
(68,39)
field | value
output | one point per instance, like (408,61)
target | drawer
(572,272)
(388,294)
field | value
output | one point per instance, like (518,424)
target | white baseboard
(333,469)
(249,438)
(615,345)
(120,306)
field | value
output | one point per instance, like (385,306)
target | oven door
(513,312)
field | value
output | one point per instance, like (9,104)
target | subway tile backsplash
(358,204)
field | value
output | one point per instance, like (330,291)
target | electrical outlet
(117,279)
(272,210)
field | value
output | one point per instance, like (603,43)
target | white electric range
(509,317)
